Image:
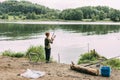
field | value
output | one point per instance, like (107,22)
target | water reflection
(31,31)
(92,29)
(22,31)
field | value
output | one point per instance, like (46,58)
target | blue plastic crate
(105,71)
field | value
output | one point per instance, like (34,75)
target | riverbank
(62,22)
(11,67)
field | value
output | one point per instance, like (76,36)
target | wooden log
(83,69)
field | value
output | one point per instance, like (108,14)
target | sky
(64,4)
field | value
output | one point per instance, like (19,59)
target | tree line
(89,12)
(28,10)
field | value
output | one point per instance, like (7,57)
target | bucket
(105,71)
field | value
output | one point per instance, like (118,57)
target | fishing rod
(102,61)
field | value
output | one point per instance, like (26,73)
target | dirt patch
(10,67)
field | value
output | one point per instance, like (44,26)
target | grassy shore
(11,66)
(87,58)
(61,22)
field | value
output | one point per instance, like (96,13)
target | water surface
(71,40)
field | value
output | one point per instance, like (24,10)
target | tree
(31,16)
(102,15)
(105,9)
(115,15)
(5,16)
(71,14)
(93,18)
(23,7)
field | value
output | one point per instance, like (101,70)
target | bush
(18,55)
(114,63)
(5,16)
(38,50)
(87,57)
(93,57)
(13,54)
(7,53)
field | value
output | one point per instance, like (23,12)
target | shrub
(87,57)
(7,53)
(13,54)
(18,55)
(94,57)
(5,16)
(38,50)
(114,63)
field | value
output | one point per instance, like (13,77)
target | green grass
(86,20)
(88,57)
(114,63)
(13,54)
(10,18)
(93,58)
(38,50)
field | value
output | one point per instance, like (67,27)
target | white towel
(32,74)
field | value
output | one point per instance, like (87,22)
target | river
(71,40)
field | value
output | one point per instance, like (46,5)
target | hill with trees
(25,10)
(92,13)
(22,10)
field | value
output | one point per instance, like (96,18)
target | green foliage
(20,16)
(115,15)
(38,50)
(71,14)
(93,18)
(89,12)
(23,7)
(30,10)
(7,53)
(102,15)
(5,16)
(35,11)
(93,57)
(114,63)
(87,57)
(13,54)
(31,15)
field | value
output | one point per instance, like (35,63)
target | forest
(24,10)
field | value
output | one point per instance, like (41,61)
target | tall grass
(114,63)
(88,57)
(94,57)
(13,54)
(39,50)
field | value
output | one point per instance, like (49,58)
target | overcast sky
(63,4)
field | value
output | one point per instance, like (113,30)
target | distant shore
(62,22)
